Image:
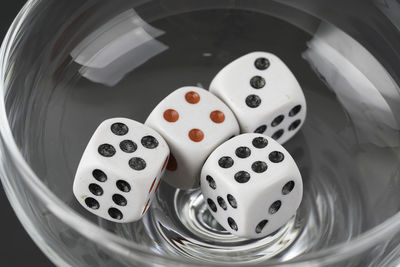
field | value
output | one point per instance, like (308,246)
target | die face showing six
(263,94)
(251,185)
(193,122)
(120,170)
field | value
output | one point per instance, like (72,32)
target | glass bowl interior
(67,66)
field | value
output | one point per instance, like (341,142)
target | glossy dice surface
(263,94)
(193,122)
(120,170)
(251,185)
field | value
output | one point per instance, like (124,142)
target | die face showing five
(120,170)
(193,122)
(251,185)
(263,94)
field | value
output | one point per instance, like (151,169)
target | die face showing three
(251,185)
(263,94)
(193,122)
(120,170)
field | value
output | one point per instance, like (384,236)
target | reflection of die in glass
(251,185)
(193,122)
(263,94)
(120,170)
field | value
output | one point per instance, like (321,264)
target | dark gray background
(16,247)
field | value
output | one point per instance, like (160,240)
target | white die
(263,94)
(193,122)
(251,185)
(120,170)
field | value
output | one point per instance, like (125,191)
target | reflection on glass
(360,83)
(391,8)
(116,48)
(114,72)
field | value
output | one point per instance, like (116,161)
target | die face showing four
(120,170)
(251,185)
(263,94)
(193,122)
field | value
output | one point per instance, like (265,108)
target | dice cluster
(250,183)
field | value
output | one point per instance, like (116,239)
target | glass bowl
(68,65)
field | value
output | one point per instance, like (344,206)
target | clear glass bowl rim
(121,246)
